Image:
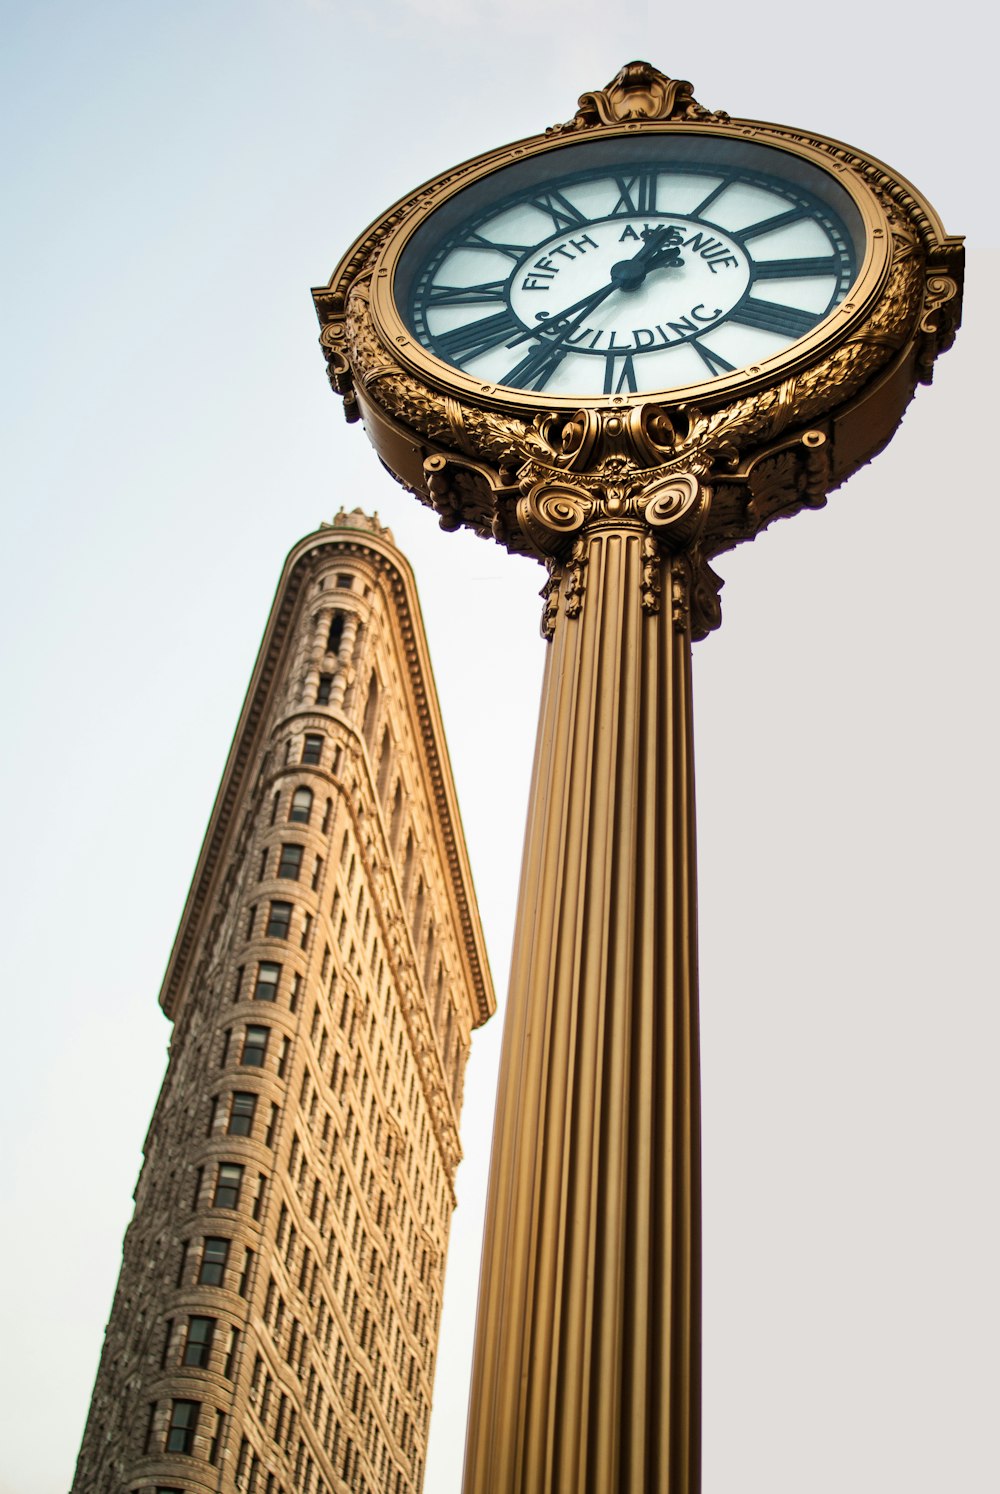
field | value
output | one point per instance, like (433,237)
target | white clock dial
(615,268)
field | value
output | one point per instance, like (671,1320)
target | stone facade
(276,1318)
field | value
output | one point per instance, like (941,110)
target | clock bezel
(833,329)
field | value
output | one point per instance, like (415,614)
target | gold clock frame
(394,334)
(727,455)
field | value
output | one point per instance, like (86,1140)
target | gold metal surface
(586,1372)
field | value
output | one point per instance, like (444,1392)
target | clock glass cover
(630,264)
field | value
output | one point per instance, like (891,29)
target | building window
(255,1047)
(258,1202)
(345,582)
(323,689)
(278,919)
(312,748)
(228,1185)
(272,1125)
(241,1113)
(306,927)
(213,1261)
(336,633)
(268,975)
(286,1047)
(183,1425)
(198,1349)
(293,1000)
(327,815)
(290,862)
(301,806)
(317,873)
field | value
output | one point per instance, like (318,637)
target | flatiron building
(275,1322)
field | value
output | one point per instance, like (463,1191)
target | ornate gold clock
(624,346)
(653,286)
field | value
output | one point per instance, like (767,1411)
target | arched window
(301,806)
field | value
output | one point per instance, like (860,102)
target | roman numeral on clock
(619,374)
(478,241)
(795,269)
(713,362)
(636,194)
(559,208)
(768,225)
(466,295)
(768,316)
(533,372)
(461,344)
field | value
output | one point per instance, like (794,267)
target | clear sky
(178,175)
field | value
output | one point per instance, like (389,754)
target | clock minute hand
(561,321)
(627,274)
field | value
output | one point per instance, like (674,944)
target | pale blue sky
(177,177)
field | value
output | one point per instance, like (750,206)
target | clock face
(636,264)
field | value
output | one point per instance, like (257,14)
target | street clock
(623,346)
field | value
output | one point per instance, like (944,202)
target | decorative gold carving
(938,322)
(550,513)
(694,595)
(652,565)
(550,598)
(639,91)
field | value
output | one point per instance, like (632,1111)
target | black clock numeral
(768,225)
(624,366)
(479,241)
(768,316)
(533,372)
(559,208)
(716,191)
(712,361)
(466,295)
(795,269)
(636,194)
(461,344)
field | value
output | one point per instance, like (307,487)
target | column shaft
(586,1375)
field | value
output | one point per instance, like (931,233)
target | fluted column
(587,1360)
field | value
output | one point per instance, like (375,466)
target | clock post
(736,316)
